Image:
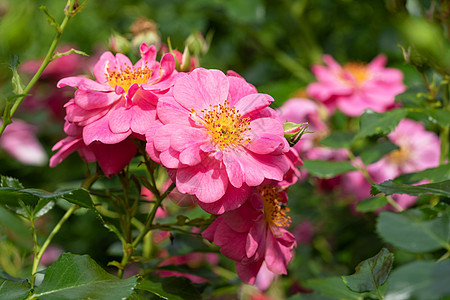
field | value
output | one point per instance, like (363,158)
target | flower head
(419,149)
(254,235)
(122,100)
(355,87)
(218,137)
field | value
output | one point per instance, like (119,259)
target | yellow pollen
(358,70)
(399,156)
(127,76)
(225,125)
(274,210)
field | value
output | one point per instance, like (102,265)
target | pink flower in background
(19,140)
(354,87)
(217,138)
(419,150)
(254,235)
(192,260)
(122,100)
(45,95)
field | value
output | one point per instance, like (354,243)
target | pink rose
(355,87)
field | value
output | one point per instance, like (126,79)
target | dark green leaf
(420,280)
(371,273)
(338,139)
(372,203)
(327,169)
(435,174)
(389,187)
(171,288)
(375,152)
(373,123)
(13,290)
(79,277)
(80,197)
(332,287)
(411,232)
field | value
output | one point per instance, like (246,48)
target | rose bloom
(217,137)
(119,104)
(419,150)
(20,141)
(254,235)
(355,87)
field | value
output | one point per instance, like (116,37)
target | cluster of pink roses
(353,88)
(214,133)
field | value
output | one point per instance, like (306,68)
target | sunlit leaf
(389,187)
(80,277)
(373,123)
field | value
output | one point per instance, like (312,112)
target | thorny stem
(129,248)
(39,252)
(48,58)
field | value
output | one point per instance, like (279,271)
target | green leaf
(375,152)
(51,20)
(13,290)
(327,169)
(373,123)
(332,287)
(438,116)
(434,174)
(389,187)
(11,182)
(176,288)
(372,203)
(411,232)
(420,280)
(80,277)
(18,85)
(371,273)
(339,139)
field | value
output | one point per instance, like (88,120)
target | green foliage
(414,232)
(327,169)
(332,287)
(371,273)
(373,123)
(79,277)
(176,288)
(421,280)
(372,203)
(390,187)
(339,139)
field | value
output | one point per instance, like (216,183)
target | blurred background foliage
(272,44)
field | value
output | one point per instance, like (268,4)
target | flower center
(357,70)
(274,209)
(225,125)
(400,156)
(127,76)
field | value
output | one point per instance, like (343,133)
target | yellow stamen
(127,76)
(224,125)
(357,70)
(274,210)
(400,156)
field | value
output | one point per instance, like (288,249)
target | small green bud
(294,131)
